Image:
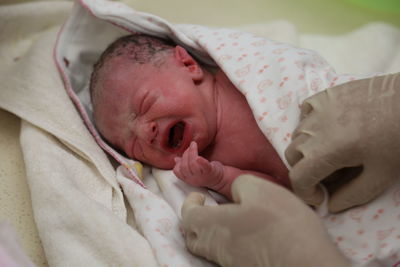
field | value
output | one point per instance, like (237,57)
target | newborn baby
(153,101)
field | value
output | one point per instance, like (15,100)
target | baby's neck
(223,89)
(229,102)
(239,141)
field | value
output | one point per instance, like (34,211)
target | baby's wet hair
(139,48)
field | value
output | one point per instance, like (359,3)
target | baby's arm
(198,171)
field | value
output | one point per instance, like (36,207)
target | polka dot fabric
(370,234)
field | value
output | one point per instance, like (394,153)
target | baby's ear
(188,61)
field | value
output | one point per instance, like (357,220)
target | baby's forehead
(113,114)
(122,75)
(123,81)
(117,70)
(118,64)
(123,64)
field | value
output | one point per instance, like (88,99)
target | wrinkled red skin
(143,102)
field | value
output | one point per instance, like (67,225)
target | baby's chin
(165,164)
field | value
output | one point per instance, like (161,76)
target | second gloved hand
(265,226)
(350,126)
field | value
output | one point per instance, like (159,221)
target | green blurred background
(310,16)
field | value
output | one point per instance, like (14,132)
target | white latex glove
(266,226)
(356,124)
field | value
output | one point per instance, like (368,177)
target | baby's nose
(150,132)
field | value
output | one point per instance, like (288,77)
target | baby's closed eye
(147,102)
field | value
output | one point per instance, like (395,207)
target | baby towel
(79,209)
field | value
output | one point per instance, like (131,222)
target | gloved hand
(265,226)
(356,124)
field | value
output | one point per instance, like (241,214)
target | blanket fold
(78,206)
(37,98)
(74,229)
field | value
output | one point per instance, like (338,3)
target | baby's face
(153,113)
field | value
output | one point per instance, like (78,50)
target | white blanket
(79,208)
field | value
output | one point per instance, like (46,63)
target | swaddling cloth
(274,77)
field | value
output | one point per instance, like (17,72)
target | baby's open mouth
(176,134)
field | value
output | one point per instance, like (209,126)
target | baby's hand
(196,170)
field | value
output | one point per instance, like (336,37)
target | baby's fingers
(178,167)
(192,157)
(217,168)
(192,150)
(185,164)
(203,165)
(188,161)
